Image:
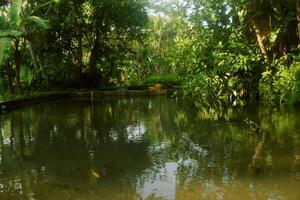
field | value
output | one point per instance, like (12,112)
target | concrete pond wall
(12,104)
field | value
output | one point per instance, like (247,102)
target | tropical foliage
(221,50)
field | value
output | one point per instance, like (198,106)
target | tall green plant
(15,27)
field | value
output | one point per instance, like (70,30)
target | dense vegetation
(227,50)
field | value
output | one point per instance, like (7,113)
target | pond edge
(12,104)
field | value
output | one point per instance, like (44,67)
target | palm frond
(11,34)
(5,45)
(36,21)
(48,2)
(4,25)
(44,4)
(14,12)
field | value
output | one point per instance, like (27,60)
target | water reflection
(154,148)
(160,183)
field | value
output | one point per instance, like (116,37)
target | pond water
(148,148)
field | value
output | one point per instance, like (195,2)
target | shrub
(281,83)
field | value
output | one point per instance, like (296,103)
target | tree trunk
(79,22)
(94,56)
(260,39)
(33,55)
(298,17)
(10,77)
(95,74)
(38,58)
(18,68)
(79,51)
(111,71)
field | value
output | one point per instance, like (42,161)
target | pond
(148,148)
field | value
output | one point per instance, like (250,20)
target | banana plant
(15,27)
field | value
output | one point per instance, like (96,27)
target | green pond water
(148,148)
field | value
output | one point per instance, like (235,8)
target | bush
(281,83)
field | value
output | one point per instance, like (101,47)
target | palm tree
(15,27)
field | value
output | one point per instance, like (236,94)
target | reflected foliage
(147,149)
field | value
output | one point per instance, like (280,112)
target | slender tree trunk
(95,74)
(1,137)
(79,36)
(94,52)
(298,17)
(35,59)
(260,39)
(94,56)
(10,77)
(79,51)
(18,68)
(111,71)
(33,55)
(39,60)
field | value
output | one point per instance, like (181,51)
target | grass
(163,79)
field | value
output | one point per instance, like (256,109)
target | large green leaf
(5,45)
(37,21)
